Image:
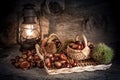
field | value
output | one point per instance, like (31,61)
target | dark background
(7,7)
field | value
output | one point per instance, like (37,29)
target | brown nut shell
(24,56)
(30,58)
(24,65)
(63,56)
(58,64)
(36,57)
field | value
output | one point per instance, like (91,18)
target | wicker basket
(77,69)
(83,65)
(79,54)
(49,45)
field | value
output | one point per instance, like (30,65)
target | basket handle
(39,51)
(85,39)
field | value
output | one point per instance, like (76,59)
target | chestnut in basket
(68,65)
(48,62)
(63,61)
(57,42)
(80,45)
(56,57)
(57,64)
(49,65)
(48,55)
(90,45)
(74,64)
(52,59)
(73,45)
(63,56)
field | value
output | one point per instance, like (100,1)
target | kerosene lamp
(29,29)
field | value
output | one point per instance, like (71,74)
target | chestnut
(30,58)
(57,64)
(40,64)
(56,58)
(32,64)
(57,43)
(35,54)
(68,65)
(49,65)
(21,59)
(25,65)
(83,44)
(63,61)
(48,55)
(74,64)
(77,42)
(79,47)
(47,60)
(75,46)
(52,59)
(71,44)
(29,53)
(24,56)
(63,56)
(33,51)
(91,46)
(82,47)
(36,57)
(56,55)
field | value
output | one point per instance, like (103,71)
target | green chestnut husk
(102,53)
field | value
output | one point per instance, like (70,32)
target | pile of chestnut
(59,60)
(79,45)
(29,59)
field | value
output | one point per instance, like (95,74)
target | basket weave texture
(79,54)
